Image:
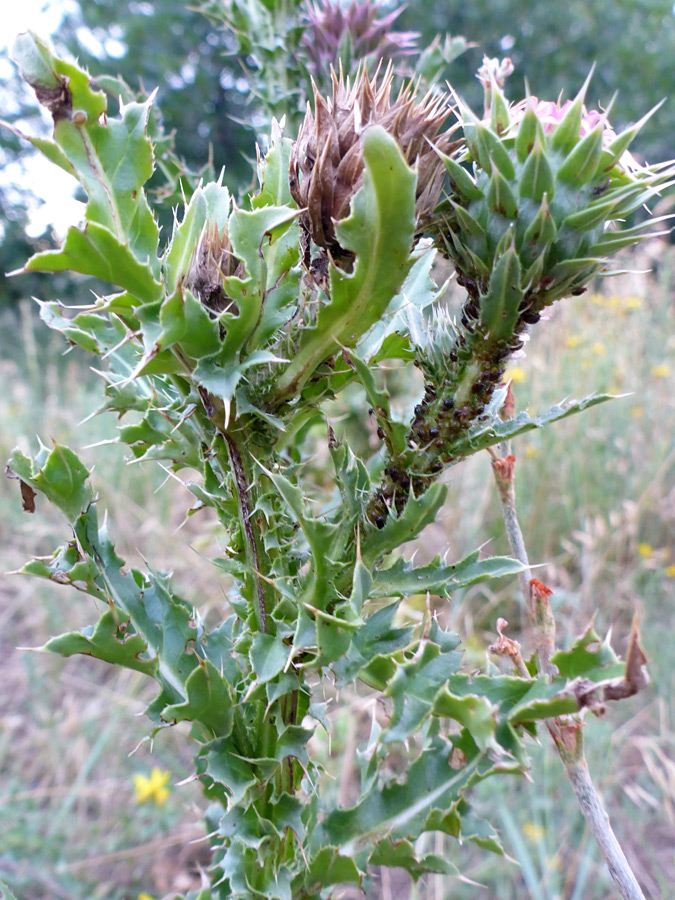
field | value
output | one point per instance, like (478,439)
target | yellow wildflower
(632,302)
(153,787)
(530,451)
(598,348)
(637,412)
(661,371)
(145,897)
(669,571)
(517,375)
(574,340)
(534,832)
(645,550)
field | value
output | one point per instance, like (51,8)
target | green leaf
(419,291)
(417,514)
(398,808)
(328,867)
(591,216)
(208,702)
(541,231)
(68,566)
(248,229)
(371,649)
(221,378)
(97,251)
(273,172)
(292,741)
(162,619)
(379,230)
(565,135)
(180,318)
(5,892)
(542,701)
(415,686)
(401,854)
(108,641)
(403,579)
(529,130)
(395,433)
(476,713)
(218,764)
(491,433)
(588,657)
(268,656)
(61,476)
(111,157)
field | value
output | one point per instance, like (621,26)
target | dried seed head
(326,167)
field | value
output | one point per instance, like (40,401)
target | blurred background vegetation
(596,493)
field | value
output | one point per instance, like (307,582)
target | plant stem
(566,732)
(503,472)
(570,748)
(243,503)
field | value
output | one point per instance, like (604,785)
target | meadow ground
(596,498)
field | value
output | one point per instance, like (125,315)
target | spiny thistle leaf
(380,232)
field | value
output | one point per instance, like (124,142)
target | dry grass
(597,504)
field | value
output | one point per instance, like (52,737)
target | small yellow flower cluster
(534,832)
(516,375)
(153,788)
(647,552)
(661,371)
(615,301)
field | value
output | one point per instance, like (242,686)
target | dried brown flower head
(326,166)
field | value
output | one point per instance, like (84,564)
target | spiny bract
(543,208)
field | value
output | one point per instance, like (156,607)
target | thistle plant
(224,353)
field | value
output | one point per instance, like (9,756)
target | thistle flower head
(551,113)
(336,32)
(539,197)
(326,167)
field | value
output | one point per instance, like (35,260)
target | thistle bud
(326,167)
(212,262)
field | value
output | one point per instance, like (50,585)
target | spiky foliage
(539,197)
(337,33)
(326,168)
